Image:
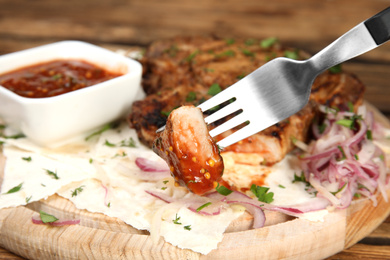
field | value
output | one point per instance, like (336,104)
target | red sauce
(54,78)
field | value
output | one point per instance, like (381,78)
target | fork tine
(221,97)
(237,136)
(233,122)
(221,113)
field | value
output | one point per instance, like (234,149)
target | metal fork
(281,87)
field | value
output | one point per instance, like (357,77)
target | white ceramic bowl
(48,121)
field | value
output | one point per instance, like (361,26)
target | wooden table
(119,24)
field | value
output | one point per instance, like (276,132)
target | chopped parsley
(28,199)
(247,52)
(301,178)
(47,218)
(172,50)
(165,113)
(188,227)
(230,41)
(191,56)
(322,127)
(124,143)
(291,55)
(176,220)
(203,206)
(128,143)
(228,53)
(369,134)
(267,43)
(262,193)
(343,157)
(335,69)
(52,174)
(345,122)
(335,192)
(250,42)
(15,189)
(281,186)
(28,159)
(214,89)
(77,191)
(191,96)
(107,143)
(100,131)
(223,190)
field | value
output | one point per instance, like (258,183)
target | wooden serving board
(101,237)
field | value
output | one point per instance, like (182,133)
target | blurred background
(118,24)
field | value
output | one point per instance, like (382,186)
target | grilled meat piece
(189,150)
(181,71)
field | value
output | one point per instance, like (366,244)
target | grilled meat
(183,71)
(189,150)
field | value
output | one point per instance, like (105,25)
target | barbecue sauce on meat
(189,150)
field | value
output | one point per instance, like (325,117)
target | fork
(282,86)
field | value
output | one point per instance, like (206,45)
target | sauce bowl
(52,120)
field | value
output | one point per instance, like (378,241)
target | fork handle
(379,26)
(360,39)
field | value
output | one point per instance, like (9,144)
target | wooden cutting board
(101,237)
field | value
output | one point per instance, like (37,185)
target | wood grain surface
(100,237)
(116,24)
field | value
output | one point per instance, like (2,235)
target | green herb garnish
(214,89)
(28,199)
(188,227)
(15,189)
(53,174)
(176,220)
(230,41)
(100,131)
(343,157)
(266,43)
(345,122)
(77,191)
(250,42)
(228,53)
(223,190)
(47,218)
(301,178)
(191,96)
(291,55)
(107,143)
(203,206)
(128,143)
(28,159)
(247,53)
(335,69)
(369,134)
(262,193)
(191,56)
(165,113)
(335,192)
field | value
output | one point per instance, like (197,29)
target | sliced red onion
(58,223)
(105,195)
(345,157)
(192,204)
(147,165)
